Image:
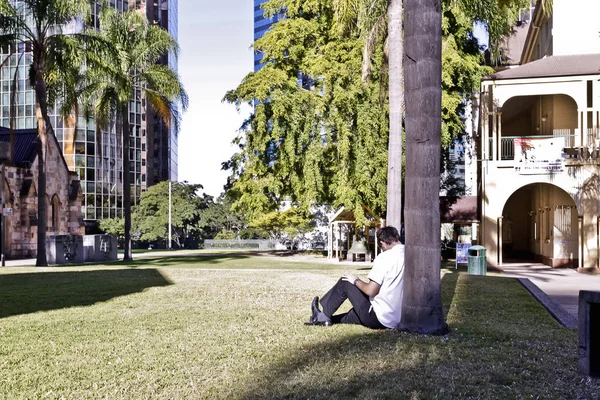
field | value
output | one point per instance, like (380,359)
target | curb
(559,314)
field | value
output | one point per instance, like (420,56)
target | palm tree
(370,17)
(39,24)
(111,86)
(396,100)
(422,302)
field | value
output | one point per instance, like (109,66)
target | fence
(247,244)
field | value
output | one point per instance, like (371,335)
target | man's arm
(370,288)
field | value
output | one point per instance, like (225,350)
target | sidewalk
(556,289)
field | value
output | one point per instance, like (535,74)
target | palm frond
(377,32)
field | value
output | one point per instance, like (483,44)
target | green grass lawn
(230,326)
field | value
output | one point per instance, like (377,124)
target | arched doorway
(540,223)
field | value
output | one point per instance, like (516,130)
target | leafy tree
(138,47)
(311,146)
(113,226)
(38,23)
(328,144)
(290,224)
(151,217)
(218,218)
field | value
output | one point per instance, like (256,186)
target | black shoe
(314,308)
(317,317)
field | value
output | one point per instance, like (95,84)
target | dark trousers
(360,313)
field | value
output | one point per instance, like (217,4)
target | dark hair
(389,234)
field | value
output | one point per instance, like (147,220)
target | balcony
(569,144)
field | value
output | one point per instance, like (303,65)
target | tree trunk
(126,130)
(396,98)
(422,301)
(41,113)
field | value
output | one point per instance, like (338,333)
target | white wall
(576,27)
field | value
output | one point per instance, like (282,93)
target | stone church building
(64,197)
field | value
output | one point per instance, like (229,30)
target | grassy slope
(189,332)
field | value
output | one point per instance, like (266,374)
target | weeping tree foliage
(320,144)
(327,142)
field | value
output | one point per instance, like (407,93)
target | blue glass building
(97,158)
(261,25)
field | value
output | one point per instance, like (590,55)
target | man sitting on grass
(376,304)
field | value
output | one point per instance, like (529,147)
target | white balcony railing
(571,143)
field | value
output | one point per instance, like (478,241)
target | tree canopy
(151,216)
(325,140)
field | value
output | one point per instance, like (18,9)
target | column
(500,240)
(499,132)
(581,243)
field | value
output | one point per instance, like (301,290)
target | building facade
(63,189)
(161,162)
(540,143)
(96,157)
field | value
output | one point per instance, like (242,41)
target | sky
(215,40)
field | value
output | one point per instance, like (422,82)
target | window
(55,212)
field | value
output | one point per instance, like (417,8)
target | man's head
(388,235)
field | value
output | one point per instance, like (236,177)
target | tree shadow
(470,362)
(192,260)
(449,282)
(43,291)
(273,260)
(286,374)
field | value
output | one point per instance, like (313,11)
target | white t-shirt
(388,271)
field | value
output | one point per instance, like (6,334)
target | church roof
(553,66)
(25,145)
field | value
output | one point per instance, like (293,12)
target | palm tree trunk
(126,184)
(41,112)
(422,301)
(396,99)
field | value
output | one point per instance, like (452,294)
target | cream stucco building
(540,143)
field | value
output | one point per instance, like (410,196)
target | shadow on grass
(502,345)
(188,260)
(42,291)
(449,282)
(311,373)
(233,260)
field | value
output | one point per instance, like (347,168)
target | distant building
(96,157)
(261,25)
(161,163)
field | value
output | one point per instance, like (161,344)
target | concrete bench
(589,332)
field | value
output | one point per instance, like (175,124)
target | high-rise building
(96,156)
(162,152)
(261,25)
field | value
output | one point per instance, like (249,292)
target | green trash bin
(476,260)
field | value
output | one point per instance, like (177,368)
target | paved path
(557,289)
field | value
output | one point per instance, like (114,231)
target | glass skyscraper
(261,25)
(96,155)
(162,152)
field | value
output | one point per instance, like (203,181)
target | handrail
(507,146)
